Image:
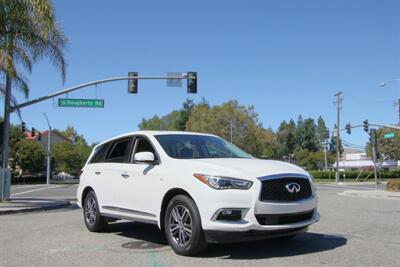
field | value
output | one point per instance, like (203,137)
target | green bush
(354,174)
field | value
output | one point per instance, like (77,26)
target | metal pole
(74,88)
(338,101)
(326,158)
(5,183)
(373,143)
(48,174)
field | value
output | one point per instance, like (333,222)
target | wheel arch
(167,197)
(85,192)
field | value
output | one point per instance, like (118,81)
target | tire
(182,224)
(91,214)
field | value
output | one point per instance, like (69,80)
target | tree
(72,134)
(29,31)
(27,156)
(247,131)
(69,158)
(286,139)
(321,132)
(312,160)
(174,121)
(388,148)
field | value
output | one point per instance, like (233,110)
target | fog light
(229,215)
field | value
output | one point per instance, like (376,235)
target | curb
(63,204)
(371,194)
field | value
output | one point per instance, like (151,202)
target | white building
(354,159)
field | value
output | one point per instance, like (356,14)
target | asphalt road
(352,232)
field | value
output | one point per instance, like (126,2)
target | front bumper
(249,228)
(213,236)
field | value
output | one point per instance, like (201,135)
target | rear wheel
(91,214)
(183,226)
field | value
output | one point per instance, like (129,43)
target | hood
(249,169)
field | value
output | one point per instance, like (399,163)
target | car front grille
(276,189)
(277,219)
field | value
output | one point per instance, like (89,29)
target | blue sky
(284,57)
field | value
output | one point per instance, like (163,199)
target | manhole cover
(142,245)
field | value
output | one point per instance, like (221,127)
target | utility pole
(338,102)
(48,173)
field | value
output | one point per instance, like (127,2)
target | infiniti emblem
(293,188)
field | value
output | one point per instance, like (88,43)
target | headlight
(220,182)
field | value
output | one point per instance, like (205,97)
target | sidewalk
(18,205)
(371,194)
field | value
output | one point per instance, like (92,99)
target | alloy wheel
(90,211)
(180,225)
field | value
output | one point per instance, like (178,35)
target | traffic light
(39,136)
(23,127)
(33,132)
(132,83)
(192,82)
(327,134)
(348,128)
(365,125)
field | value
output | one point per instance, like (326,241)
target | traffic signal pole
(5,179)
(373,145)
(48,171)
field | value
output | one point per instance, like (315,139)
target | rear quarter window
(99,154)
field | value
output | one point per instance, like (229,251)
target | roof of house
(28,135)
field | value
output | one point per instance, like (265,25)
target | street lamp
(390,81)
(382,84)
(48,150)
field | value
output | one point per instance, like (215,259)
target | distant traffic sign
(171,82)
(388,135)
(81,103)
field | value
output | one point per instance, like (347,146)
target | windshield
(186,146)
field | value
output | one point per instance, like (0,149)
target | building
(354,159)
(56,137)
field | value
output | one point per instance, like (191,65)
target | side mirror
(145,157)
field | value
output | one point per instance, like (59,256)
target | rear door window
(119,151)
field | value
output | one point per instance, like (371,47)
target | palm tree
(28,32)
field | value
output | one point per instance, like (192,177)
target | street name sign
(388,135)
(80,103)
(171,82)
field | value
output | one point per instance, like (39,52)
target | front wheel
(91,213)
(183,226)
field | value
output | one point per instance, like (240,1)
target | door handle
(125,175)
(97,172)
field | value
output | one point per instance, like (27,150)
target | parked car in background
(198,188)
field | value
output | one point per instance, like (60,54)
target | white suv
(197,188)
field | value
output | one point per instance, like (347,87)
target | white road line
(34,190)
